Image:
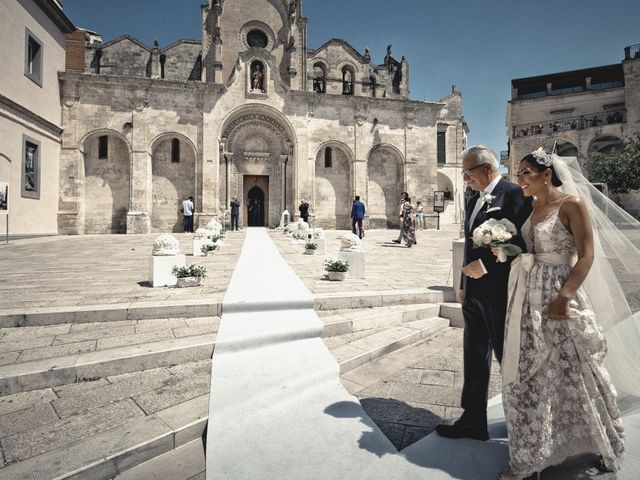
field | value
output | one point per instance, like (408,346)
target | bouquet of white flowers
(497,234)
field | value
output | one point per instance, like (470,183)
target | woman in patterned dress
(558,398)
(408,223)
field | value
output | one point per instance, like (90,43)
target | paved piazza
(107,269)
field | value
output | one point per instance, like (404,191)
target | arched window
(372,81)
(175,151)
(257,77)
(319,78)
(328,157)
(347,81)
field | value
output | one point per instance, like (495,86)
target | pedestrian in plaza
(419,216)
(403,197)
(187,214)
(484,286)
(303,208)
(408,223)
(357,215)
(235,213)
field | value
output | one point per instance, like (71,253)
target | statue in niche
(292,43)
(257,78)
(367,56)
(216,35)
(292,9)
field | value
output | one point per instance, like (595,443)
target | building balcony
(632,51)
(581,122)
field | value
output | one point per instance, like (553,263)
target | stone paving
(108,269)
(412,390)
(101,269)
(388,266)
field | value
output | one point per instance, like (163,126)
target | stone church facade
(249,112)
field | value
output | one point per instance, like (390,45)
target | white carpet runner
(278,410)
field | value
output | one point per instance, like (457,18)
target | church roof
(341,42)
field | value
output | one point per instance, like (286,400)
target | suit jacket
(357,210)
(510,203)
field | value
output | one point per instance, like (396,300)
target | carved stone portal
(258,146)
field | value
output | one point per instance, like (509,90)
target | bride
(558,397)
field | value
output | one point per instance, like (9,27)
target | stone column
(70,204)
(139,215)
(359,174)
(212,157)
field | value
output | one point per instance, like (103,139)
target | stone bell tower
(276,28)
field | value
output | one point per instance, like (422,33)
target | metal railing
(632,51)
(551,127)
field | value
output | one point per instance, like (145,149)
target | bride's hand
(559,309)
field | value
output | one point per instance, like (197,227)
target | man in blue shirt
(357,215)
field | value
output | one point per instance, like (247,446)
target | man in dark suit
(484,286)
(357,215)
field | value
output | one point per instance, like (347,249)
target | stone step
(114,422)
(98,429)
(81,367)
(113,312)
(355,349)
(339,322)
(370,299)
(204,307)
(183,463)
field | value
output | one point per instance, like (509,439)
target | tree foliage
(619,169)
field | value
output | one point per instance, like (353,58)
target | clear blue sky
(478,45)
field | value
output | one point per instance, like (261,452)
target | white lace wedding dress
(563,403)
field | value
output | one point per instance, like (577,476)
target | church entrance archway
(256,200)
(259,150)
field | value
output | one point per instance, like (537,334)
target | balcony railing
(581,122)
(632,51)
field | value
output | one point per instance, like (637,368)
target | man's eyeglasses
(467,171)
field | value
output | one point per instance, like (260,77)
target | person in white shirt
(187,214)
(484,286)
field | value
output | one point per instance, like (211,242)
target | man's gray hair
(482,154)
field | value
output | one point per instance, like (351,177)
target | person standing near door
(254,213)
(304,211)
(235,213)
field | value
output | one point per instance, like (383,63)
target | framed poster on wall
(4,198)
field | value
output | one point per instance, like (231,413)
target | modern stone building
(248,111)
(579,111)
(32,37)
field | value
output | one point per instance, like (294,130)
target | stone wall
(106,186)
(172,183)
(181,62)
(333,196)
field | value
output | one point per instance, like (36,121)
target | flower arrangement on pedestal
(350,242)
(166,245)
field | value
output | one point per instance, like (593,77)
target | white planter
(337,276)
(185,282)
(308,251)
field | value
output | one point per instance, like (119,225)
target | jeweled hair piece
(542,157)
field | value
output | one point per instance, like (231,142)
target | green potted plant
(336,269)
(310,248)
(208,249)
(190,275)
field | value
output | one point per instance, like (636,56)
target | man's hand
(474,270)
